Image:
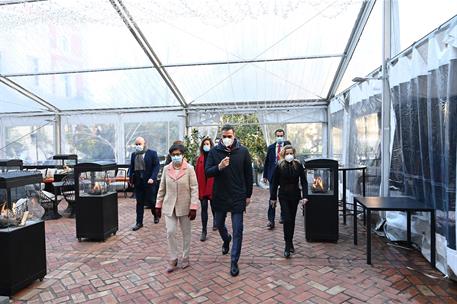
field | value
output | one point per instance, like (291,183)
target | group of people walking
(222,179)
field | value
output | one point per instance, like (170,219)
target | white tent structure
(88,76)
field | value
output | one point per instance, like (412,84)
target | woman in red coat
(205,185)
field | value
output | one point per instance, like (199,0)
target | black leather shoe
(234,270)
(156,220)
(271,225)
(292,248)
(226,245)
(287,253)
(137,226)
(281,221)
(203,236)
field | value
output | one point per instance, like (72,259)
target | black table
(344,170)
(406,204)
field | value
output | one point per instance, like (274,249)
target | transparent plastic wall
(94,137)
(424,98)
(111,137)
(28,138)
(423,82)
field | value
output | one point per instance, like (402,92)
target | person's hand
(159,212)
(150,181)
(273,204)
(224,163)
(248,201)
(265,180)
(303,202)
(131,181)
(192,214)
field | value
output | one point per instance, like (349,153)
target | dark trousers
(272,213)
(144,194)
(289,210)
(204,204)
(237,226)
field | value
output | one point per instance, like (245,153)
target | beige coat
(178,192)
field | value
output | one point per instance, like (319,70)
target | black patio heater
(321,210)
(96,201)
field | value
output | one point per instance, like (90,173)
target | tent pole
(386,98)
(58,134)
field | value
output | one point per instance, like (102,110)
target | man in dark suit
(231,166)
(143,171)
(271,160)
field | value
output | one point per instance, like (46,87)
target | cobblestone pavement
(130,267)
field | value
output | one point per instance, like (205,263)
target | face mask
(138,148)
(279,140)
(177,159)
(289,158)
(227,141)
(206,148)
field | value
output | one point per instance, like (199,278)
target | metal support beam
(176,65)
(346,133)
(327,130)
(357,30)
(13,85)
(102,110)
(386,98)
(58,134)
(12,2)
(144,44)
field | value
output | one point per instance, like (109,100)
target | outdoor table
(406,204)
(344,170)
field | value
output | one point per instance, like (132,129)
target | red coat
(205,185)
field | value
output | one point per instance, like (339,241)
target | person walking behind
(288,176)
(177,200)
(143,170)
(205,185)
(271,159)
(231,166)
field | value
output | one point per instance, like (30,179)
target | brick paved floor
(129,268)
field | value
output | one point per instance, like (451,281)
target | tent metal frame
(137,33)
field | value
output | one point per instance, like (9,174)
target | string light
(216,13)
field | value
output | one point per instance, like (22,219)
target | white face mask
(227,141)
(177,159)
(206,148)
(138,148)
(279,139)
(289,158)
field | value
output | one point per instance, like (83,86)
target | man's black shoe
(156,220)
(281,221)
(287,253)
(292,248)
(226,245)
(271,225)
(137,226)
(234,270)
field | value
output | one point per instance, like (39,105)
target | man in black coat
(143,171)
(230,164)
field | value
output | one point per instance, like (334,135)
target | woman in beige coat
(178,201)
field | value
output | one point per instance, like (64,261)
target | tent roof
(85,55)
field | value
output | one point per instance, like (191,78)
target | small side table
(406,204)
